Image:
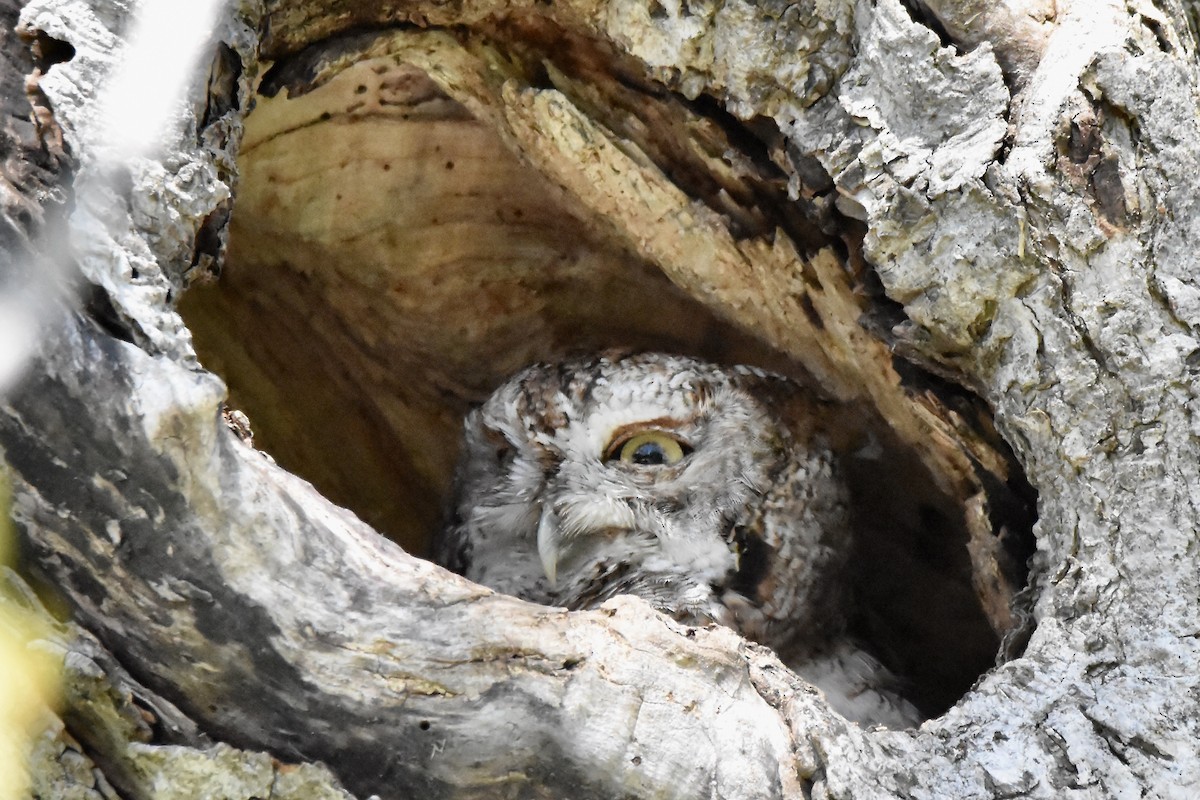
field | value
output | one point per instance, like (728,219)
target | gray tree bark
(1023,182)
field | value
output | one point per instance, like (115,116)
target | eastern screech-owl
(708,491)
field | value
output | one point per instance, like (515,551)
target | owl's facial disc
(585,521)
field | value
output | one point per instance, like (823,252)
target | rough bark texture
(1029,206)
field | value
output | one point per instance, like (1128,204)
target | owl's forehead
(578,404)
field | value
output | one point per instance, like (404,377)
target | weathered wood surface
(1042,247)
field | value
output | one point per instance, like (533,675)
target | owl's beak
(547,544)
(565,529)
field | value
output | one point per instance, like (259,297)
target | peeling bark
(835,179)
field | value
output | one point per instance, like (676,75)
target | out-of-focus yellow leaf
(28,677)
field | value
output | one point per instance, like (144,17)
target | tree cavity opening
(392,259)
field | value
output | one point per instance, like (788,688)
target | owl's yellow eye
(649,449)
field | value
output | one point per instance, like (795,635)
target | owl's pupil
(649,454)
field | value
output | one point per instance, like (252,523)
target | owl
(710,492)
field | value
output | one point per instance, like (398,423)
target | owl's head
(703,489)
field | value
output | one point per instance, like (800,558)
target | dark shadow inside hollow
(391,262)
(918,600)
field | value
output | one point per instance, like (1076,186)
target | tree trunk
(943,215)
